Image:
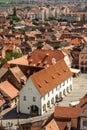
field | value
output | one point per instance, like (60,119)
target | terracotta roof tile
(2,102)
(43,57)
(75,41)
(52,125)
(19,61)
(46,79)
(83,102)
(67,112)
(62,125)
(18,74)
(9,89)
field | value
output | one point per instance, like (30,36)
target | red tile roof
(46,79)
(67,112)
(19,61)
(9,89)
(2,102)
(18,74)
(52,125)
(75,41)
(43,57)
(62,125)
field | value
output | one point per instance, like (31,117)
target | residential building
(43,89)
(75,54)
(8,92)
(44,58)
(83,59)
(63,118)
(14,75)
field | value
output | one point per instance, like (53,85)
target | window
(48,94)
(48,104)
(67,80)
(70,78)
(84,123)
(63,83)
(44,98)
(52,91)
(24,98)
(34,99)
(52,101)
(44,107)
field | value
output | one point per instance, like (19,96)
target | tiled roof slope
(9,89)
(44,57)
(52,125)
(18,74)
(19,61)
(47,79)
(62,125)
(67,112)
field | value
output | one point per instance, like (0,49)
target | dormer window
(39,85)
(46,81)
(34,99)
(24,98)
(58,73)
(53,77)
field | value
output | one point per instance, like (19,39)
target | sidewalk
(79,90)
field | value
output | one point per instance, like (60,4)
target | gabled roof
(83,102)
(19,61)
(67,112)
(8,89)
(3,71)
(75,41)
(52,125)
(62,125)
(2,101)
(42,58)
(47,79)
(16,71)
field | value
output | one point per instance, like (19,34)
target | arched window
(44,107)
(52,101)
(48,104)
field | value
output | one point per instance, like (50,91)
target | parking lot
(79,90)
